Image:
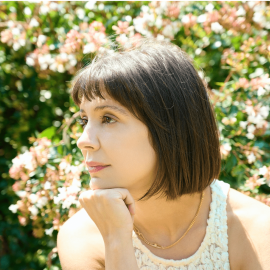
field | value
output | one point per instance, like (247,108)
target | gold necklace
(159,246)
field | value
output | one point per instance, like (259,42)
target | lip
(93,164)
(96,168)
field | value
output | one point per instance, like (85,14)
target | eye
(107,121)
(107,118)
(81,122)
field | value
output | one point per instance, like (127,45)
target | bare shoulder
(248,232)
(80,244)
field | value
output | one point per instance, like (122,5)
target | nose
(88,139)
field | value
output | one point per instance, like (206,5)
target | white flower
(243,124)
(251,128)
(27,11)
(33,198)
(49,231)
(261,91)
(57,199)
(30,61)
(54,6)
(88,48)
(34,23)
(21,42)
(60,68)
(227,146)
(251,158)
(145,9)
(264,111)
(158,22)
(41,39)
(90,5)
(201,18)
(15,31)
(21,193)
(47,185)
(263,170)
(43,10)
(260,124)
(160,37)
(185,19)
(80,13)
(209,7)
(13,208)
(249,110)
(73,189)
(250,136)
(216,27)
(16,46)
(128,18)
(33,209)
(69,201)
(241,11)
(42,202)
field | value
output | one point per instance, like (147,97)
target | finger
(128,199)
(84,196)
(131,208)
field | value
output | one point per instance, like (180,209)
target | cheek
(132,155)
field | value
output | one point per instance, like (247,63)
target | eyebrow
(99,108)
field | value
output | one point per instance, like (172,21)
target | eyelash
(81,121)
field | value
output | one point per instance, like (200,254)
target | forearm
(120,255)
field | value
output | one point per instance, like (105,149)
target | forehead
(98,104)
(98,100)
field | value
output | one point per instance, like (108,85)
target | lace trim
(219,190)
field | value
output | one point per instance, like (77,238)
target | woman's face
(120,140)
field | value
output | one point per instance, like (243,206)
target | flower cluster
(47,191)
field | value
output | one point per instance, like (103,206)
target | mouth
(96,168)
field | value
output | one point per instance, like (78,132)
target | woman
(151,144)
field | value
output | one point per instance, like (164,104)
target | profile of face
(115,137)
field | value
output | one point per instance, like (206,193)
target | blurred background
(42,46)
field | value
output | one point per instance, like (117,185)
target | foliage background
(43,45)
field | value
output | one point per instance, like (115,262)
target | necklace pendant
(157,246)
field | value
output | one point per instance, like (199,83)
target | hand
(112,210)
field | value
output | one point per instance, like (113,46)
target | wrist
(114,239)
(119,253)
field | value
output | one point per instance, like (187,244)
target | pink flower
(73,42)
(173,11)
(16,186)
(135,39)
(24,177)
(14,172)
(122,28)
(7,37)
(243,82)
(22,220)
(189,20)
(97,27)
(256,83)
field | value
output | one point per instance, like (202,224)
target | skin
(124,144)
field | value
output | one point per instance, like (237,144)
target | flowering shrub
(229,42)
(48,186)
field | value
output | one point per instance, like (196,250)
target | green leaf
(231,162)
(48,133)
(238,170)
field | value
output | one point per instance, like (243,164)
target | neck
(164,221)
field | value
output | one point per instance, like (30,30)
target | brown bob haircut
(157,82)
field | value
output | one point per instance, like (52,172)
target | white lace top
(213,251)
